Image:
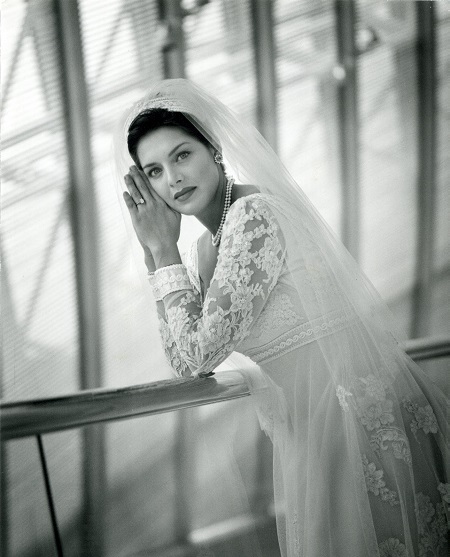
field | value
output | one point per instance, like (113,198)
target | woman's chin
(191,207)
(188,213)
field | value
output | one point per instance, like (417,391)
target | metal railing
(36,417)
(39,416)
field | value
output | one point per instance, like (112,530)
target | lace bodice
(250,305)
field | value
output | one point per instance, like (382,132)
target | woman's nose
(175,178)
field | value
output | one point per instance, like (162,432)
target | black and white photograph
(225,273)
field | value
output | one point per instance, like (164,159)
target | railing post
(348,125)
(9,317)
(50,501)
(185,450)
(171,15)
(264,52)
(83,211)
(4,526)
(174,59)
(426,176)
(267,122)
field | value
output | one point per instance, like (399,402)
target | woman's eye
(183,155)
(154,172)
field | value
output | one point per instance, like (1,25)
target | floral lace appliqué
(374,415)
(376,484)
(432,526)
(424,417)
(277,314)
(179,367)
(342,395)
(392,547)
(373,408)
(250,260)
(375,388)
(396,439)
(444,490)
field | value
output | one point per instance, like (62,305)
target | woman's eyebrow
(170,154)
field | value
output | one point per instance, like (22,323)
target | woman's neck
(211,218)
(212,215)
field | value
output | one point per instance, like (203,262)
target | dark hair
(154,119)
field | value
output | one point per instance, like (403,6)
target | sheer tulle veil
(329,283)
(250,159)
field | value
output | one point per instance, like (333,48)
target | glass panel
(219,53)
(441,308)
(122,59)
(29,526)
(219,58)
(388,105)
(39,314)
(305,56)
(142,494)
(437,369)
(40,337)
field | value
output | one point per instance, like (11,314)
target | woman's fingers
(154,221)
(142,184)
(135,193)
(129,202)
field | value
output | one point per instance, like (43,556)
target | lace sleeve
(198,338)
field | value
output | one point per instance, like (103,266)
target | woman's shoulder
(243,190)
(248,197)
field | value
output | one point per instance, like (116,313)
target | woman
(357,428)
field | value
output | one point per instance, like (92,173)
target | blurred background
(354,95)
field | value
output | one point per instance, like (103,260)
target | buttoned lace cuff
(167,280)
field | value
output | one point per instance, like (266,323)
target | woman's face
(180,168)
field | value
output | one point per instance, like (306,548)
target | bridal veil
(359,432)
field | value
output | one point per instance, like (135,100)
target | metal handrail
(33,417)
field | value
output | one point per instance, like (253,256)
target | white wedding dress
(358,465)
(358,430)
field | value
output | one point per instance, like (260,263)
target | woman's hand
(157,225)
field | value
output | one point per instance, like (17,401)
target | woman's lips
(184,194)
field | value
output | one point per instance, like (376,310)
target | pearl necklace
(216,238)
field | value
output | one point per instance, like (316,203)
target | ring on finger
(140,201)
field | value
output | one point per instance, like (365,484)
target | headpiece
(166,95)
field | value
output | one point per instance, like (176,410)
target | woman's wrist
(165,256)
(151,267)
(149,261)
